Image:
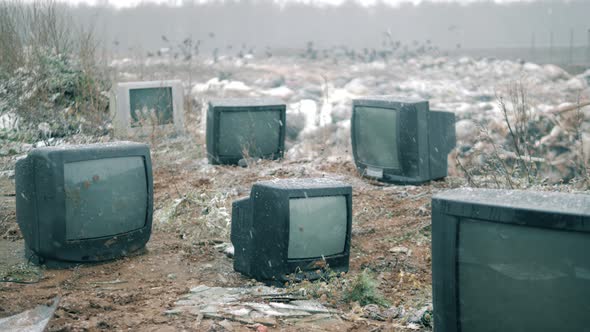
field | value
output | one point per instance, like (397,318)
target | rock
(400,250)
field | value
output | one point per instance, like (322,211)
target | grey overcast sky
(132,3)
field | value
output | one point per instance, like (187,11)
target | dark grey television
(84,203)
(401,141)
(510,261)
(290,229)
(245,127)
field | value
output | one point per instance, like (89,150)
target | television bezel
(270,230)
(215,109)
(46,236)
(553,211)
(120,106)
(395,175)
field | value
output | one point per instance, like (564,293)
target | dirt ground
(133,293)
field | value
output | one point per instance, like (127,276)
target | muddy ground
(192,202)
(133,293)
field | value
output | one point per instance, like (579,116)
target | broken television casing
(401,141)
(84,203)
(290,229)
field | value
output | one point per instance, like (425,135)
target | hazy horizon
(234,27)
(177,3)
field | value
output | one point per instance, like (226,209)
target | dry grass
(51,70)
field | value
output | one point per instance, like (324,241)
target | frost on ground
(391,224)
(318,95)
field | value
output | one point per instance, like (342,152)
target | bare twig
(576,107)
(466,172)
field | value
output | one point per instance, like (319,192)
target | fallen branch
(529,159)
(570,108)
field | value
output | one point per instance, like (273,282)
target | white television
(140,108)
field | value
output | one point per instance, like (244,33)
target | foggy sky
(261,24)
(133,3)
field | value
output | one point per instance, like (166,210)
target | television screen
(401,141)
(378,135)
(525,270)
(239,128)
(151,105)
(289,229)
(248,133)
(140,108)
(519,258)
(105,197)
(310,238)
(84,203)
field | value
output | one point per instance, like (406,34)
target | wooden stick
(570,108)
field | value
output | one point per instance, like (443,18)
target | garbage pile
(319,95)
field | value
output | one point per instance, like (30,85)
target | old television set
(292,229)
(84,203)
(401,141)
(140,108)
(239,128)
(510,261)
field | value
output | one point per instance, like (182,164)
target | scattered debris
(253,305)
(8,174)
(393,313)
(422,316)
(34,320)
(372,311)
(111,282)
(226,248)
(400,250)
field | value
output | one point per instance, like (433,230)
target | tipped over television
(510,260)
(242,128)
(143,108)
(84,203)
(292,229)
(401,141)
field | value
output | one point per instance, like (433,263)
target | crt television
(139,108)
(239,128)
(510,261)
(84,203)
(401,141)
(291,229)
